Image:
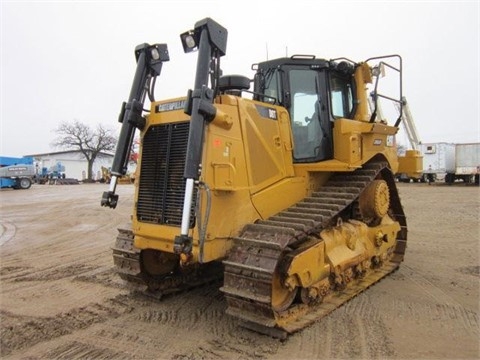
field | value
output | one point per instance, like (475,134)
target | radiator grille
(161,184)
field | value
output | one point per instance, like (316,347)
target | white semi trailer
(467,164)
(438,159)
(451,162)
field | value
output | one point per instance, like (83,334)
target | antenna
(266,49)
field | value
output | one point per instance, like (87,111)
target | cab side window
(271,88)
(341,96)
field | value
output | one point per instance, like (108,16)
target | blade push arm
(210,39)
(149,65)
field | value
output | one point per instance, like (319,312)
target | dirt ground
(61,300)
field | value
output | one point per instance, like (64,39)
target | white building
(73,162)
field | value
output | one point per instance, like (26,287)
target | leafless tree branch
(90,142)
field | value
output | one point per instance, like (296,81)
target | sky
(74,60)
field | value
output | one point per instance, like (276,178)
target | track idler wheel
(282,297)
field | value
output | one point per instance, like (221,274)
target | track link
(127,265)
(264,247)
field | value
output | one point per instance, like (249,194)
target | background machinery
(410,164)
(128,178)
(51,175)
(286,191)
(16,173)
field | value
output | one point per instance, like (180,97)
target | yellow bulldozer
(285,191)
(128,178)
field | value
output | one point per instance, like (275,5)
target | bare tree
(90,142)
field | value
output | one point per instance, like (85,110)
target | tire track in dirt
(199,308)
(470,270)
(367,334)
(79,350)
(442,306)
(369,322)
(81,230)
(8,231)
(51,273)
(433,314)
(19,331)
(108,340)
(194,324)
(354,331)
(106,277)
(75,245)
(196,314)
(59,252)
(54,288)
(360,337)
(12,271)
(80,259)
(240,344)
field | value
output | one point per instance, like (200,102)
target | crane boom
(409,125)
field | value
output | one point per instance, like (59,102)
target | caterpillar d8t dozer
(285,191)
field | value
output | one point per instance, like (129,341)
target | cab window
(341,96)
(304,112)
(272,88)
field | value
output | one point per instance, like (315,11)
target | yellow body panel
(363,77)
(246,182)
(357,142)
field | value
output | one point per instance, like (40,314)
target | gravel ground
(60,298)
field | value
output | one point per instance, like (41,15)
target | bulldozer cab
(315,92)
